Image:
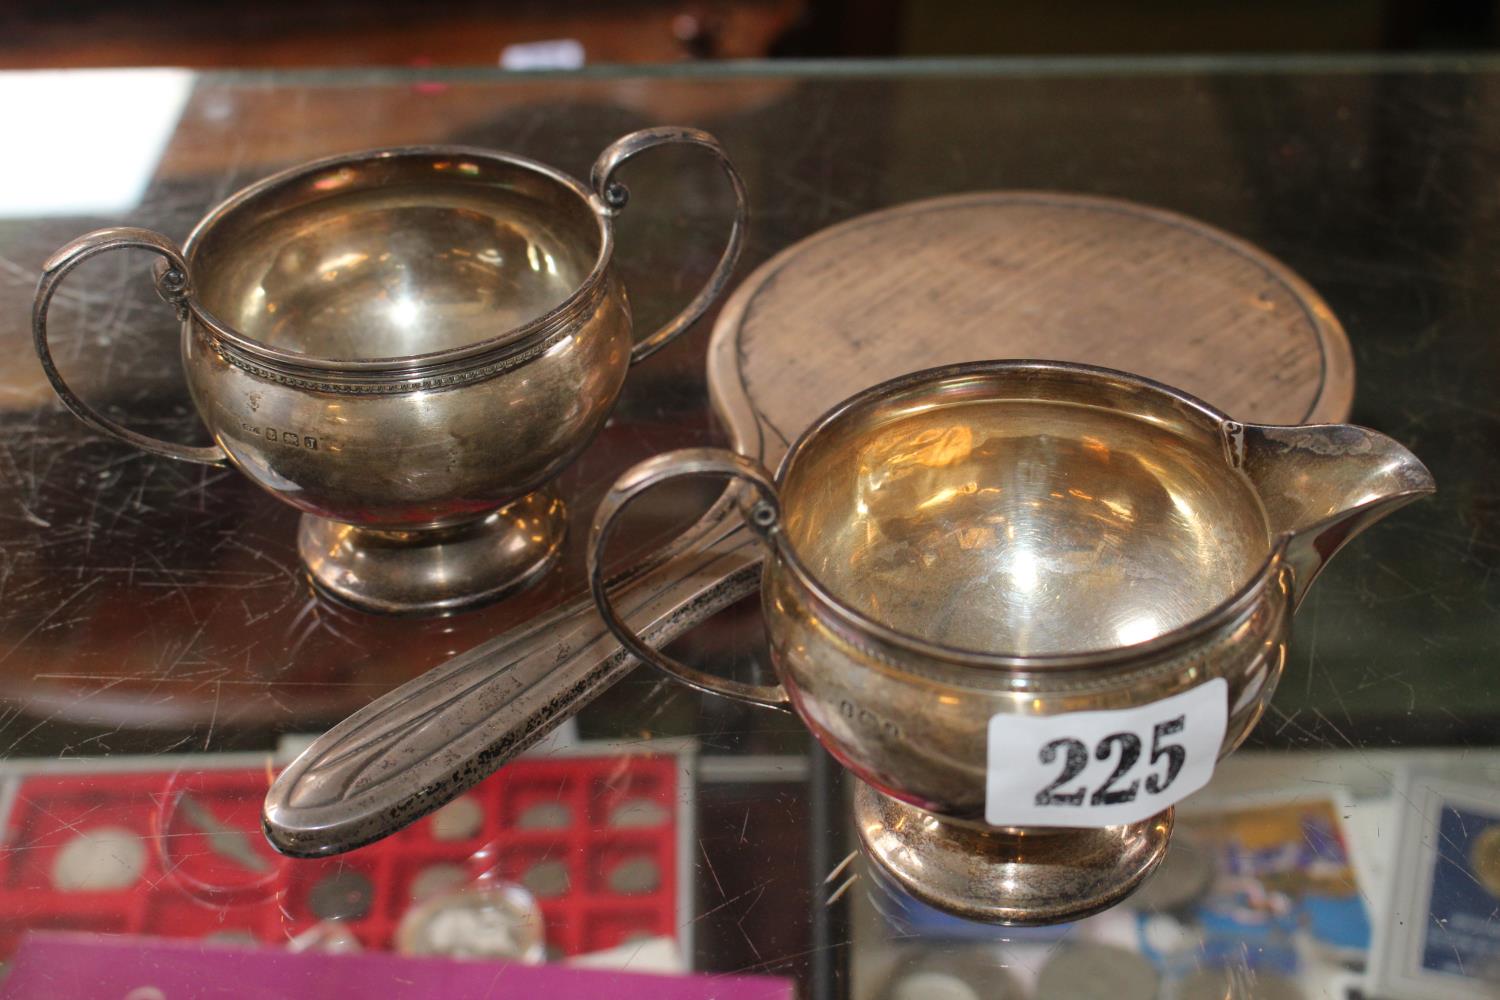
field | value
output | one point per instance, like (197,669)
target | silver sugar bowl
(406,345)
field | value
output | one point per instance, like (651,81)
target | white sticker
(557,53)
(1104,768)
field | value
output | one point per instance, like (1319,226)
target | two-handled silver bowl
(406,345)
(1029,605)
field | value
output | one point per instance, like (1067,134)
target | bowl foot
(1028,876)
(435,569)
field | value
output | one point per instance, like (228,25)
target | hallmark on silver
(293,438)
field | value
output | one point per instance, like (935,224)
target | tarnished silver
(1023,538)
(416,747)
(407,345)
(819,321)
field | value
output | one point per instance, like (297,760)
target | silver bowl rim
(1169,642)
(514,340)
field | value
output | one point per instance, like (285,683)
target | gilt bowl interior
(1023,509)
(394,254)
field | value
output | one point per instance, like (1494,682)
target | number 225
(1076,758)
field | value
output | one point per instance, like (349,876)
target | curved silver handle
(762,517)
(173,286)
(613,197)
(416,747)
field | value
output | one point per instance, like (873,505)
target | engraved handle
(613,196)
(418,746)
(762,517)
(173,286)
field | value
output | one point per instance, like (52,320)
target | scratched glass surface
(160,645)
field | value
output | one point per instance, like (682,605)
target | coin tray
(562,810)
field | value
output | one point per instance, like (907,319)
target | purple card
(76,966)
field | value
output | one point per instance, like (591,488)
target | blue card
(1463,928)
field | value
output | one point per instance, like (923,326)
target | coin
(1161,934)
(949,972)
(547,879)
(932,985)
(637,813)
(342,895)
(1237,984)
(495,920)
(327,936)
(545,816)
(232,938)
(1088,971)
(635,876)
(223,839)
(434,880)
(1484,859)
(1184,877)
(458,820)
(98,860)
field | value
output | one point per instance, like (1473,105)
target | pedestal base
(435,569)
(1030,876)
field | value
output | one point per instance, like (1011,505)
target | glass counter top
(155,622)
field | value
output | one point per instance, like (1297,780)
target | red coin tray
(208,873)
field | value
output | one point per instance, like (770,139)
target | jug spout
(1323,484)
